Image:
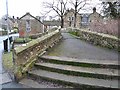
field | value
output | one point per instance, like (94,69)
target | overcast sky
(18,8)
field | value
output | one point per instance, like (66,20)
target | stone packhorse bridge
(71,63)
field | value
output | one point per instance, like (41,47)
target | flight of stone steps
(74,73)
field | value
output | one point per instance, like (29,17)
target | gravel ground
(49,83)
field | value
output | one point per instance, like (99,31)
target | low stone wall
(3,33)
(25,56)
(0,33)
(100,39)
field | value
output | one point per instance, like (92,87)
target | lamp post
(7,25)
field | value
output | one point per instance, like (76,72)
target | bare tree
(59,7)
(78,5)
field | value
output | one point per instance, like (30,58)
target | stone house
(4,23)
(51,24)
(103,25)
(13,23)
(95,16)
(83,19)
(69,19)
(30,25)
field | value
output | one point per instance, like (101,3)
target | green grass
(74,33)
(22,40)
(8,60)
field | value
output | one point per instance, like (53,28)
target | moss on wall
(100,39)
(25,56)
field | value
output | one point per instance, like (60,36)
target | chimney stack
(13,17)
(94,9)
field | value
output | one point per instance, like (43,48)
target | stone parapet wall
(26,55)
(100,39)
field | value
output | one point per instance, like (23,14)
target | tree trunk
(75,13)
(75,16)
(62,22)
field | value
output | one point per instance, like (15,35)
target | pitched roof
(30,16)
(71,10)
(52,23)
(97,13)
(11,19)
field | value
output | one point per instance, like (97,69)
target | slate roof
(52,23)
(30,16)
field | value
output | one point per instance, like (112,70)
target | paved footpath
(4,76)
(5,79)
(75,48)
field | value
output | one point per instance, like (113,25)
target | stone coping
(31,43)
(100,34)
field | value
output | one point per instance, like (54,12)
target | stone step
(33,84)
(74,81)
(80,62)
(39,83)
(80,71)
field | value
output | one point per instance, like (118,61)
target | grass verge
(7,60)
(74,33)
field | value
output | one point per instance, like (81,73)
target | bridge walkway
(72,47)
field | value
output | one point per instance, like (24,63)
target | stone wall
(24,56)
(100,39)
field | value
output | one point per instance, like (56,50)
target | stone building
(69,19)
(83,19)
(3,22)
(51,24)
(95,16)
(30,25)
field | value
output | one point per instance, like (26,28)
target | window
(28,29)
(69,19)
(72,18)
